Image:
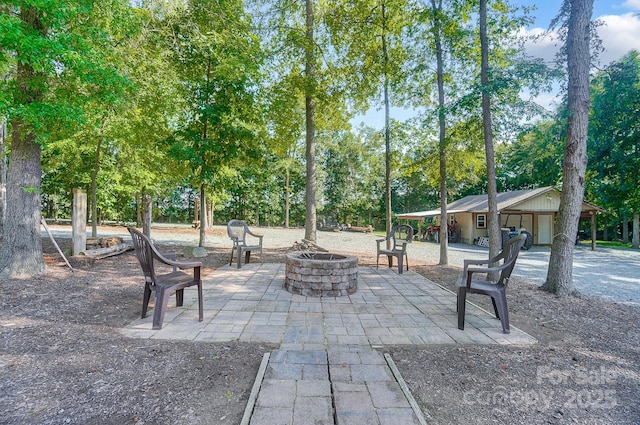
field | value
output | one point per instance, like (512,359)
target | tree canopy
(175,104)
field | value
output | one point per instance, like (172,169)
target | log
(109,251)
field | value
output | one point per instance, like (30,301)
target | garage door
(545,224)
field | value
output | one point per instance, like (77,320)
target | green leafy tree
(216,56)
(53,50)
(534,159)
(369,33)
(285,117)
(614,143)
(352,171)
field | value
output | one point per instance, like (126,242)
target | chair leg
(377,260)
(145,300)
(406,257)
(400,265)
(231,259)
(461,306)
(162,300)
(247,257)
(179,297)
(198,280)
(501,307)
(495,308)
(239,257)
(200,302)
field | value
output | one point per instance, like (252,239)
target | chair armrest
(173,257)
(166,259)
(404,245)
(255,235)
(470,262)
(179,264)
(469,271)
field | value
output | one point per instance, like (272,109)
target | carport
(534,210)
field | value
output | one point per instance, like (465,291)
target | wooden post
(593,230)
(79,221)
(147,214)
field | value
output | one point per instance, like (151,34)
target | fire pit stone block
(321,274)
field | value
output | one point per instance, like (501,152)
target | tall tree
(55,54)
(492,192)
(3,173)
(285,118)
(310,120)
(437,29)
(559,276)
(21,252)
(217,58)
(371,32)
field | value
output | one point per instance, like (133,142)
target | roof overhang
(425,214)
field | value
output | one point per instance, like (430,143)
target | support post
(593,230)
(79,221)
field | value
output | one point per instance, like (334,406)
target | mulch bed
(63,360)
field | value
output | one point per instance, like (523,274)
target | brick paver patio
(327,369)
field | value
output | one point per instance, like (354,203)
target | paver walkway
(327,369)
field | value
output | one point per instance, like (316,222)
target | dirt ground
(63,361)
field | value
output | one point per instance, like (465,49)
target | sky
(619,32)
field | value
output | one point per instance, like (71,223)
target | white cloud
(619,35)
(631,4)
(541,44)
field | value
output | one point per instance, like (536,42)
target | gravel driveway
(610,273)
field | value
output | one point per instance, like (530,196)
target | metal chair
(497,290)
(400,236)
(238,231)
(164,285)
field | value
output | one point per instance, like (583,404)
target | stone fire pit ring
(321,274)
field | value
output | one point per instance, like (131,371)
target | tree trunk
(635,241)
(287,200)
(147,213)
(139,207)
(387,132)
(495,238)
(210,214)
(21,251)
(94,190)
(203,216)
(310,212)
(3,175)
(625,227)
(442,141)
(559,276)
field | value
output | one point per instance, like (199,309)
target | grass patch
(611,244)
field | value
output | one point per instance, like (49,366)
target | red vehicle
(433,233)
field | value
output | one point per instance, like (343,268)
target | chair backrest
(237,231)
(510,255)
(144,253)
(401,233)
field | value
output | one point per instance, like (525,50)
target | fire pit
(321,274)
